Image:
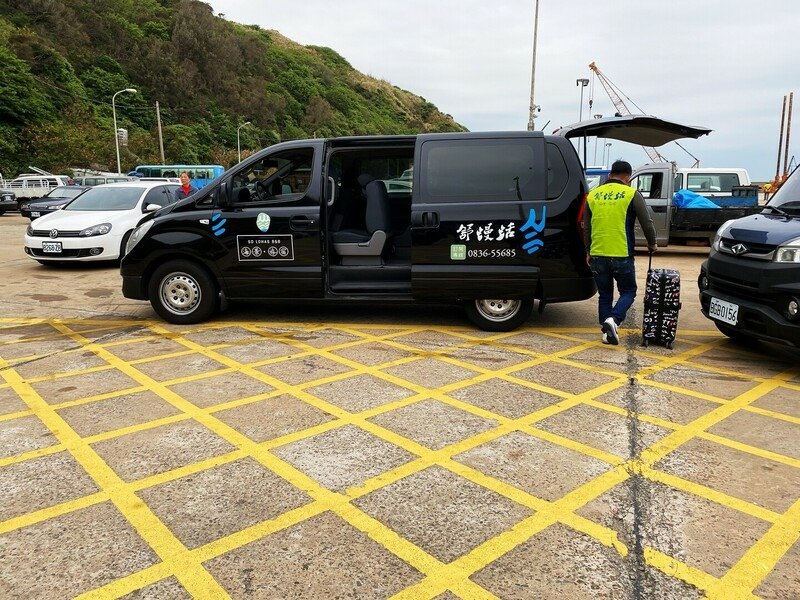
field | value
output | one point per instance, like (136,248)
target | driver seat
(365,246)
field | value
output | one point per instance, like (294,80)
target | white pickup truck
(29,185)
(728,188)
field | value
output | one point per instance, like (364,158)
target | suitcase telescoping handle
(649,261)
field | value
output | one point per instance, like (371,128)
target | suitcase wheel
(669,345)
(645,343)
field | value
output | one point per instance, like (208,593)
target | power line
(92,100)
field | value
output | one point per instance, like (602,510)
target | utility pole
(160,137)
(788,131)
(534,108)
(780,141)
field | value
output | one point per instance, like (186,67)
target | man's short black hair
(621,167)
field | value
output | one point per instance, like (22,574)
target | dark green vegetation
(62,60)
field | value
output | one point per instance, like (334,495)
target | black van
(750,284)
(490,220)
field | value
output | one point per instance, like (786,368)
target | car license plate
(726,312)
(51,247)
(35,214)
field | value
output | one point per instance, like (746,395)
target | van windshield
(787,198)
(107,198)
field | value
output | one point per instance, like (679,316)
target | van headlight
(789,252)
(137,235)
(723,229)
(101,229)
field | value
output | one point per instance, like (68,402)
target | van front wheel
(499,315)
(182,292)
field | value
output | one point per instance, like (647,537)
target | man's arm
(645,218)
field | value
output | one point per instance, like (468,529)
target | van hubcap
(180,293)
(498,310)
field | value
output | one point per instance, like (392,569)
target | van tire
(498,315)
(182,292)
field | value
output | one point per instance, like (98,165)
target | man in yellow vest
(609,219)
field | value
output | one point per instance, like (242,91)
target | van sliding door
(478,215)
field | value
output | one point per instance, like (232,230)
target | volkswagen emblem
(739,249)
(54,233)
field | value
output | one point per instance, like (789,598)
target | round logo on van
(262,222)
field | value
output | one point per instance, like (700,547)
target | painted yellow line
(51,512)
(747,448)
(761,558)
(708,493)
(439,577)
(150,528)
(679,570)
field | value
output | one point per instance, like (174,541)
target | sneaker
(610,330)
(605,339)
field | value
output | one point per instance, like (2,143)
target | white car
(97,224)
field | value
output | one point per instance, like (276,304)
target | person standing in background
(186,189)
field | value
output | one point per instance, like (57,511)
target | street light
(116,133)
(608,146)
(238,145)
(534,108)
(583,83)
(594,160)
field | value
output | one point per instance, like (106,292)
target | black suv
(750,284)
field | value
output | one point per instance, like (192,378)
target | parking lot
(379,452)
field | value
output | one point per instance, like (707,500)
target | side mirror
(151,207)
(222,195)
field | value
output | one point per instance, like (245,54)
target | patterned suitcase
(662,302)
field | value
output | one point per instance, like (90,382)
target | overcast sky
(721,64)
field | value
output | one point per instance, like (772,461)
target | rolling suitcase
(662,302)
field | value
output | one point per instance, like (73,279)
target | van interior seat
(365,246)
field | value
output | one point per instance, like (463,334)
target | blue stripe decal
(220,224)
(219,232)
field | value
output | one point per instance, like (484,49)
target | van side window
(557,172)
(678,182)
(276,178)
(496,170)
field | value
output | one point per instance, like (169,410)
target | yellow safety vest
(609,205)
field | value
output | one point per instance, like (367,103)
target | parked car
(95,225)
(54,200)
(8,201)
(750,284)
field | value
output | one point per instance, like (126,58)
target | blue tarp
(688,199)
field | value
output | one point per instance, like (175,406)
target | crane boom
(622,108)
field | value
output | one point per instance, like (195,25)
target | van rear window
(557,172)
(495,170)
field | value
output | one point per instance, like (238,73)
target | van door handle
(301,222)
(425,220)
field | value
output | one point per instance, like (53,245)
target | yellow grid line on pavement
(542,358)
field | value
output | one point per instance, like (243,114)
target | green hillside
(62,60)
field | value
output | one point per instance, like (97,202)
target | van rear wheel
(182,292)
(499,315)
